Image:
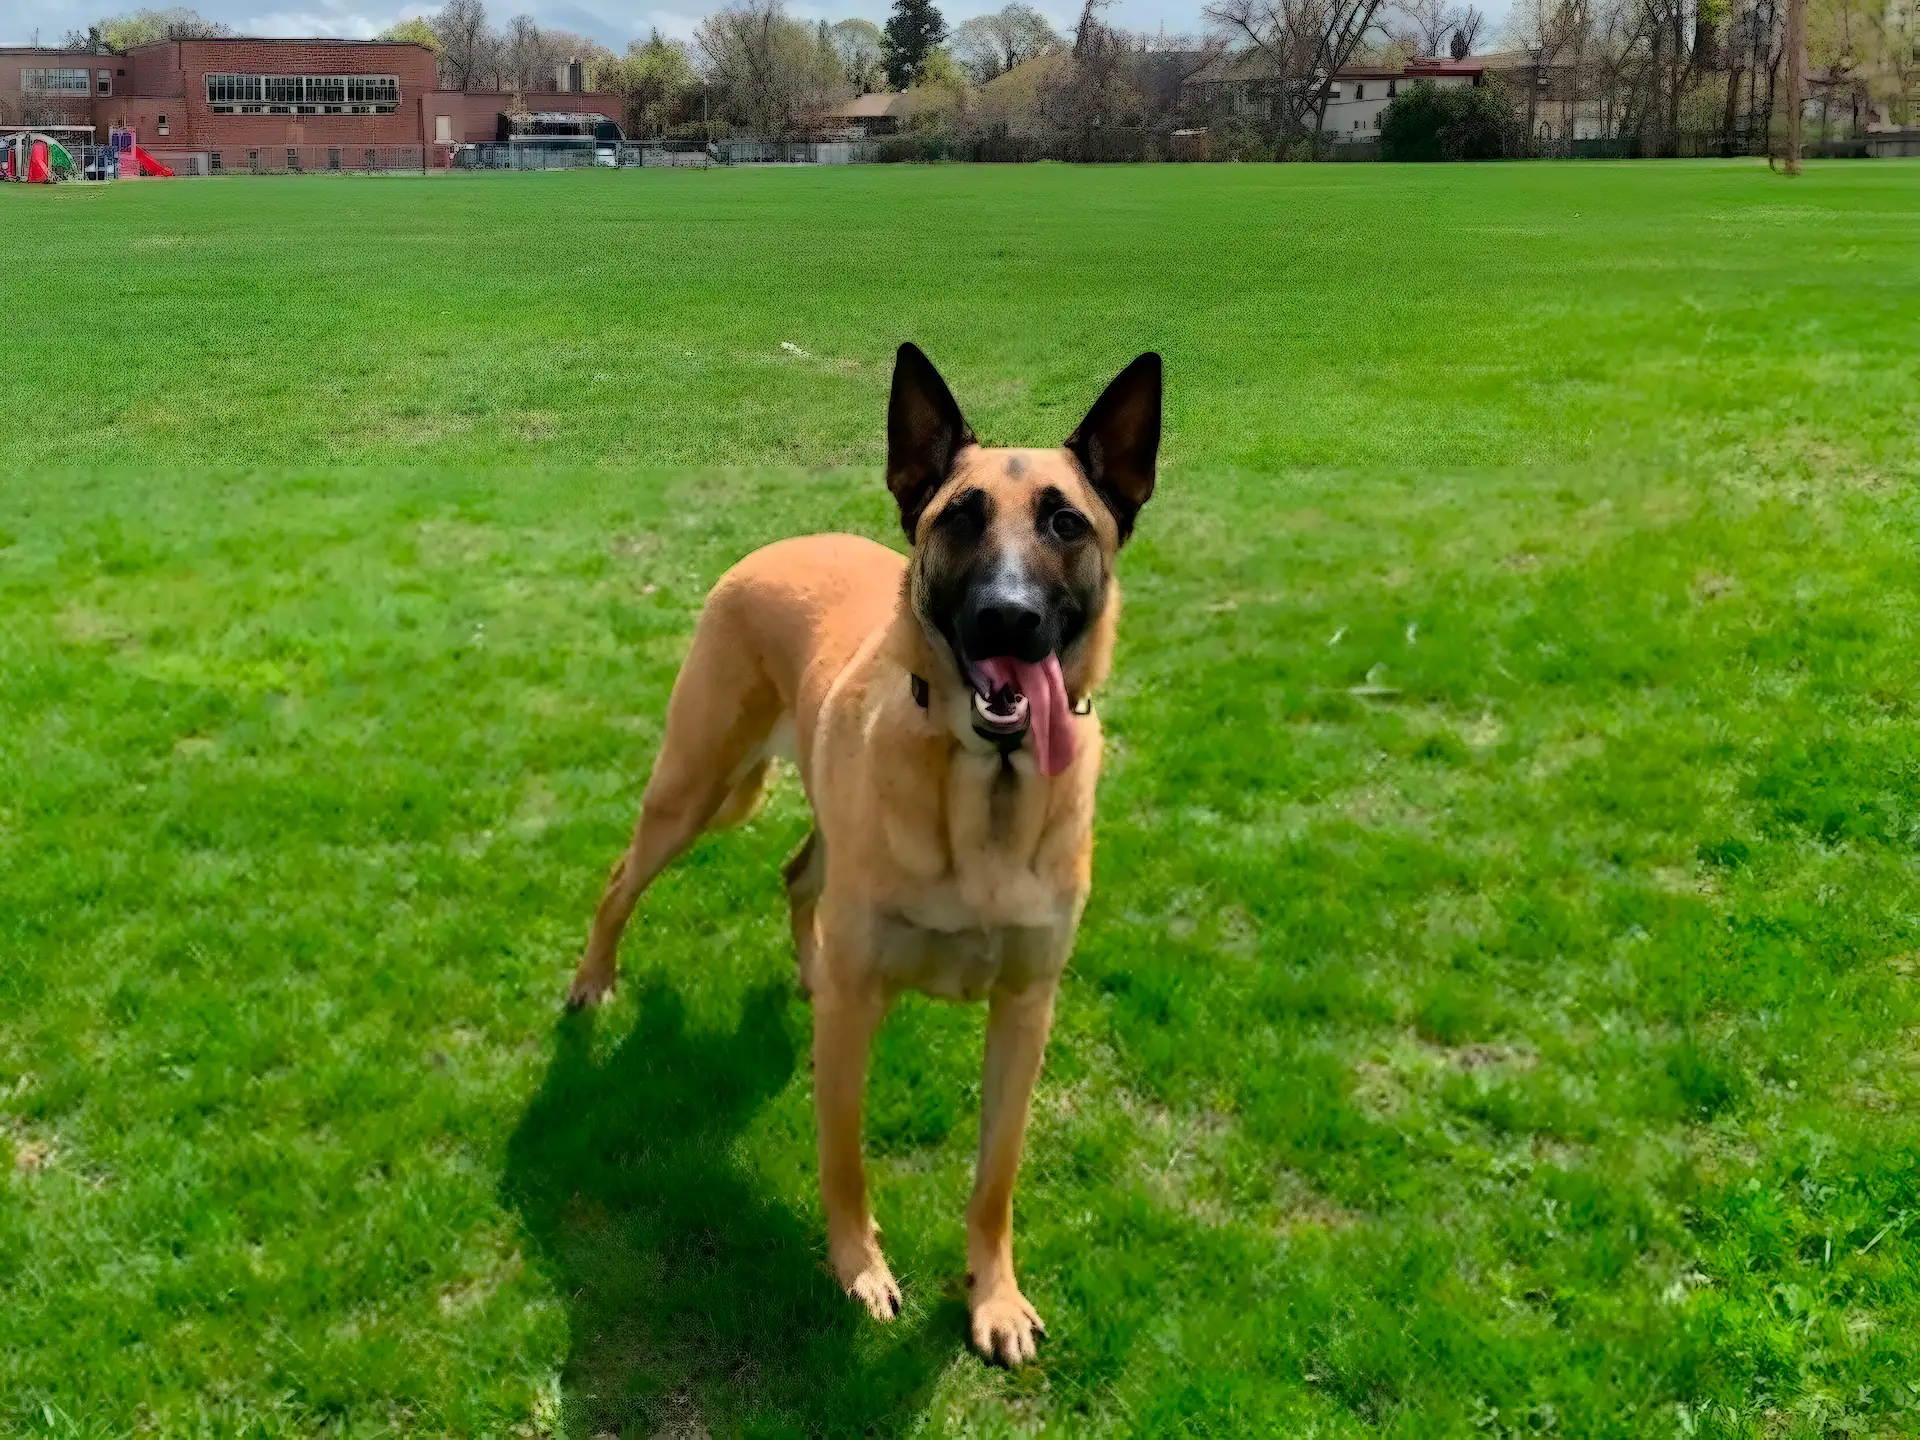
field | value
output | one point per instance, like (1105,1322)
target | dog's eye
(1068,525)
(967,515)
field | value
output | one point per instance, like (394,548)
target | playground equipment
(148,165)
(35,157)
(125,147)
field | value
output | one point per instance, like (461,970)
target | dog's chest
(976,904)
(964,964)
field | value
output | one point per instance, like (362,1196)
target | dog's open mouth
(1012,698)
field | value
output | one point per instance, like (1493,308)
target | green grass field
(1497,1010)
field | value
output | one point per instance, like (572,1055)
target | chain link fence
(1110,146)
(296,160)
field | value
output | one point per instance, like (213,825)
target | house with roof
(866,117)
(1360,94)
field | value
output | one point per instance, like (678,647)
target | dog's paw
(863,1274)
(589,990)
(1005,1328)
(874,1288)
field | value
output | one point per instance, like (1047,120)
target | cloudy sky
(607,21)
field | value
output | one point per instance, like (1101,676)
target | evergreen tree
(914,30)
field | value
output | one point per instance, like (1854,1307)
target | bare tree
(862,52)
(1796,79)
(1095,95)
(531,58)
(1665,72)
(467,46)
(1467,27)
(1302,44)
(654,79)
(990,45)
(1428,23)
(771,73)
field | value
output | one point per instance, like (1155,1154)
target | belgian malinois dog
(940,711)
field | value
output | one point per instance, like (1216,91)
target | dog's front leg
(843,1029)
(1004,1324)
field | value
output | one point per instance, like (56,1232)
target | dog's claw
(874,1288)
(1005,1329)
(589,990)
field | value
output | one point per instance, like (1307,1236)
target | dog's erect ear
(925,430)
(1119,441)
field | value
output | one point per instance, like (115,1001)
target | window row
(55,82)
(304,94)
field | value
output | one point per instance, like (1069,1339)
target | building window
(1393,88)
(213,162)
(303,94)
(253,161)
(55,82)
(1359,92)
(333,157)
(163,124)
(103,82)
(293,157)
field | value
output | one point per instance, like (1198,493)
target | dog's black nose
(1006,623)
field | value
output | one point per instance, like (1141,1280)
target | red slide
(40,164)
(148,165)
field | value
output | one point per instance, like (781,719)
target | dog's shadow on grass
(694,1296)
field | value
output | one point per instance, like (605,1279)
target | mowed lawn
(1497,1010)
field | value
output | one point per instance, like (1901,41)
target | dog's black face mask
(1009,576)
(1013,549)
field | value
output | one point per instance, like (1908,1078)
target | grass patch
(1496,1012)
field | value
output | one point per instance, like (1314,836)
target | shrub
(1466,122)
(1238,139)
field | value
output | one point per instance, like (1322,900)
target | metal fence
(796,152)
(522,157)
(670,154)
(1116,145)
(296,160)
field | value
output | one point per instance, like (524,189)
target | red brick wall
(72,109)
(141,114)
(169,79)
(154,69)
(192,126)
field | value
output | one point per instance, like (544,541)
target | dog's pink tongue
(1050,718)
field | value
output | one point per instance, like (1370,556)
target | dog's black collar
(1082,706)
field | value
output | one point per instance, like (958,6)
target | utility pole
(1796,79)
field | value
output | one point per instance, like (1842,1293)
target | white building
(1359,96)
